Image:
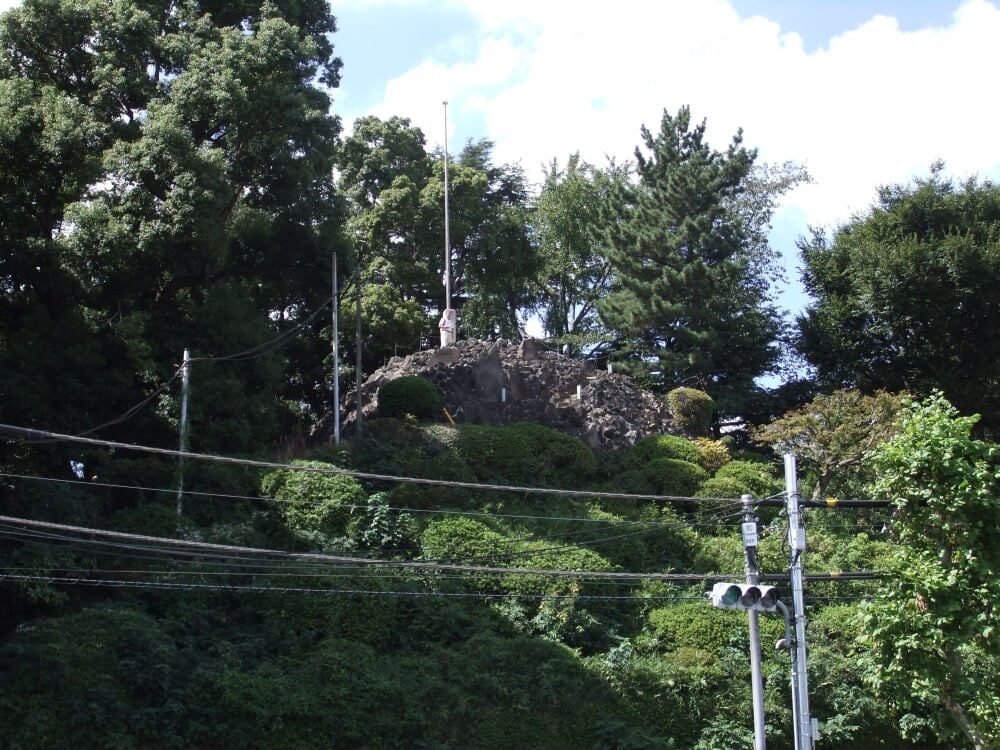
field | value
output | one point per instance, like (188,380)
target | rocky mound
(500,382)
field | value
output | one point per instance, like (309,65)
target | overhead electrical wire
(639,528)
(268,346)
(35,435)
(189,547)
(257,351)
(262,589)
(92,483)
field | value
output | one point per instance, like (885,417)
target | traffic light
(744,596)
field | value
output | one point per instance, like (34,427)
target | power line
(261,589)
(268,346)
(354,506)
(188,547)
(34,435)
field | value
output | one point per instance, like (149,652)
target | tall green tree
(497,259)
(384,172)
(687,302)
(395,190)
(577,204)
(931,644)
(907,296)
(834,436)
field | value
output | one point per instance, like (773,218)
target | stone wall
(500,382)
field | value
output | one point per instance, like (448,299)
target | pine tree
(686,305)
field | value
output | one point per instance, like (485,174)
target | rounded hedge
(653,447)
(525,452)
(672,476)
(754,476)
(692,410)
(725,487)
(410,394)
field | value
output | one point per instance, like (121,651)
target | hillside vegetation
(177,196)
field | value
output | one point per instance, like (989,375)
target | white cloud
(875,105)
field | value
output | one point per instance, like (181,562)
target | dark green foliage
(526,453)
(692,409)
(119,677)
(672,476)
(662,446)
(907,295)
(633,481)
(410,394)
(314,501)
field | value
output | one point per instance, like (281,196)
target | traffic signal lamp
(744,596)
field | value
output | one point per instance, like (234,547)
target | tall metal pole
(336,354)
(185,381)
(797,545)
(756,671)
(447,235)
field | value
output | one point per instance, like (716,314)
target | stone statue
(449,328)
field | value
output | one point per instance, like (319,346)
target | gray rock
(540,387)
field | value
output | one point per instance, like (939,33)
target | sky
(863,93)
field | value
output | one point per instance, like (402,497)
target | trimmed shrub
(633,482)
(754,476)
(704,628)
(410,394)
(653,447)
(713,454)
(691,626)
(672,476)
(526,453)
(726,487)
(691,409)
(559,458)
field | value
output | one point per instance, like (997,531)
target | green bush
(692,410)
(312,501)
(696,625)
(633,482)
(526,453)
(410,394)
(672,476)
(754,476)
(653,447)
(726,487)
(559,458)
(713,454)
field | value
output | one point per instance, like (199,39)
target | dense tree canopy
(169,174)
(576,212)
(907,296)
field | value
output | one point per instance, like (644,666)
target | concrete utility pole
(756,671)
(185,380)
(804,730)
